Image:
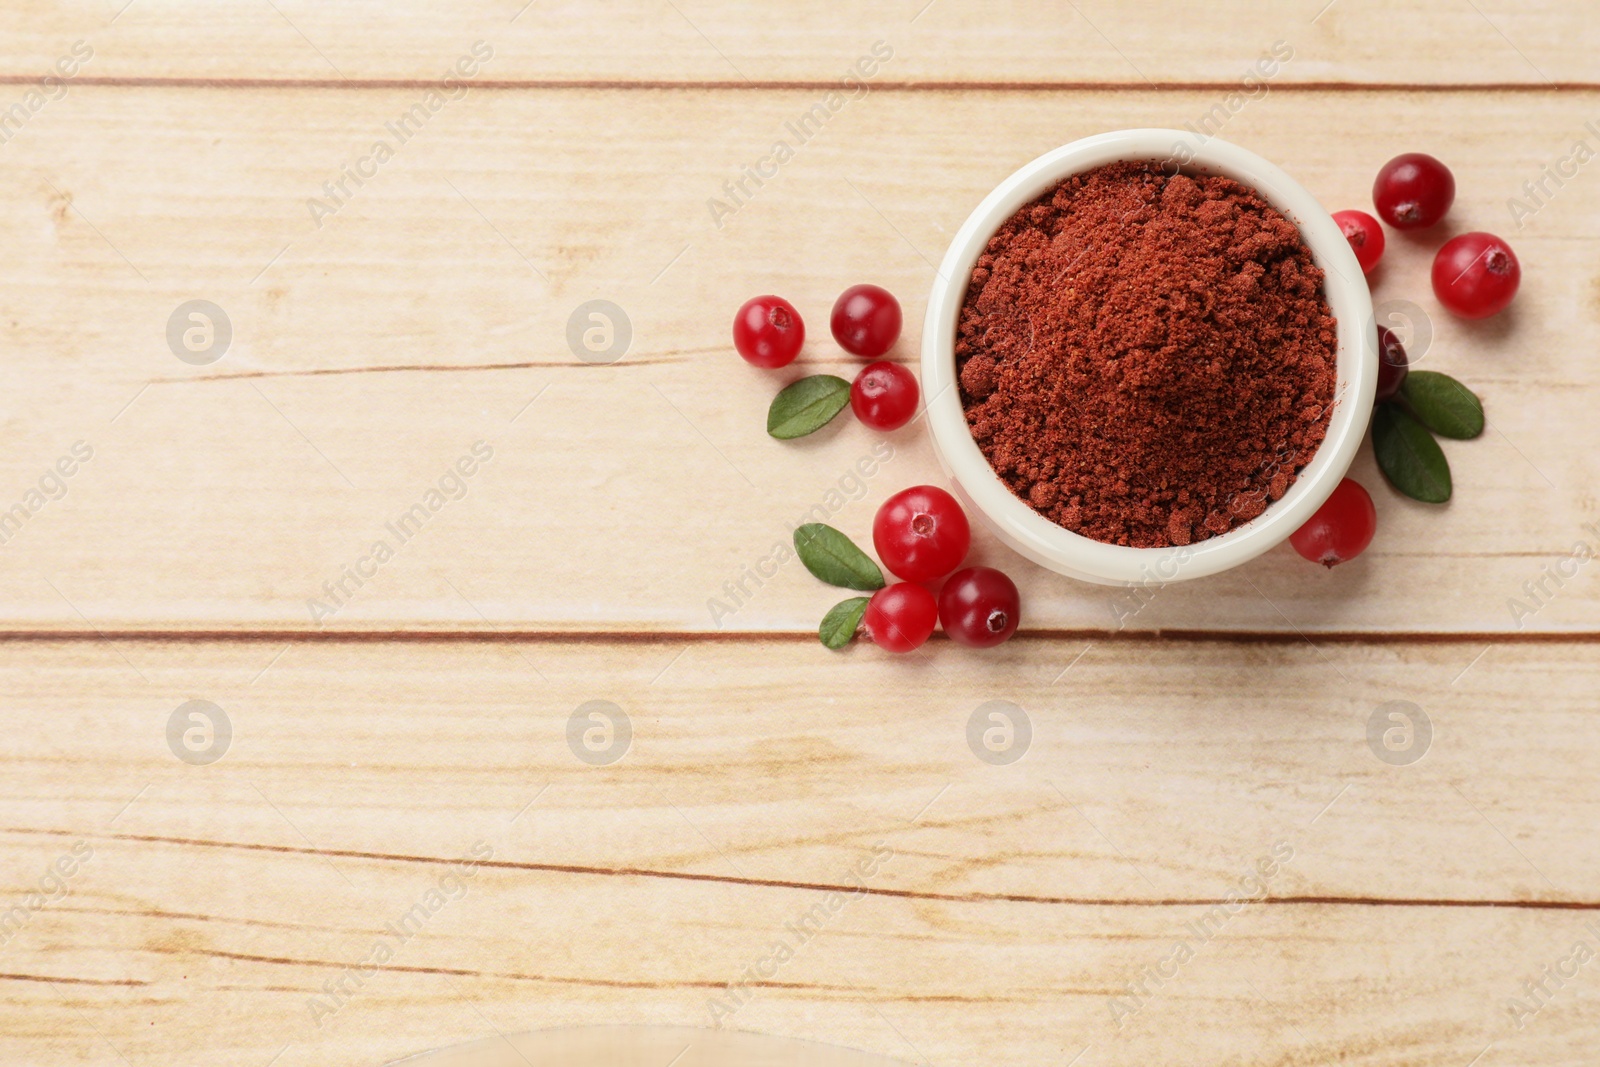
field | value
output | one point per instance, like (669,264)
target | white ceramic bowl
(1052,546)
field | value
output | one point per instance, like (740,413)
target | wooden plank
(430,313)
(228,974)
(1146,41)
(1407,902)
(791,760)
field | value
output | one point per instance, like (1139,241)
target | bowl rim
(1057,548)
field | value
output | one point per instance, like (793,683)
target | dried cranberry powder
(1147,359)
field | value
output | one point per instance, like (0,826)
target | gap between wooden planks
(496,635)
(289,83)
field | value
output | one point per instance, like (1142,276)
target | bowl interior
(1059,549)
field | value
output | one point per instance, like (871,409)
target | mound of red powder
(1147,359)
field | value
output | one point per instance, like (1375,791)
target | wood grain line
(397,368)
(60,980)
(680,356)
(819,887)
(610,983)
(575,980)
(665,637)
(468,972)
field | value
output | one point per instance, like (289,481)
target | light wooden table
(424,724)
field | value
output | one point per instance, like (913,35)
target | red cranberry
(866,320)
(884,395)
(901,616)
(768,331)
(1476,275)
(979,607)
(1365,237)
(1341,529)
(921,533)
(1413,191)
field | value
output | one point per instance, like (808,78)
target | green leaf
(806,406)
(1443,404)
(840,623)
(1409,456)
(834,558)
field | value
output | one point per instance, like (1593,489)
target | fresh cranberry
(768,331)
(1392,365)
(1341,529)
(1413,191)
(901,616)
(921,533)
(866,320)
(1365,237)
(884,395)
(979,607)
(1476,275)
